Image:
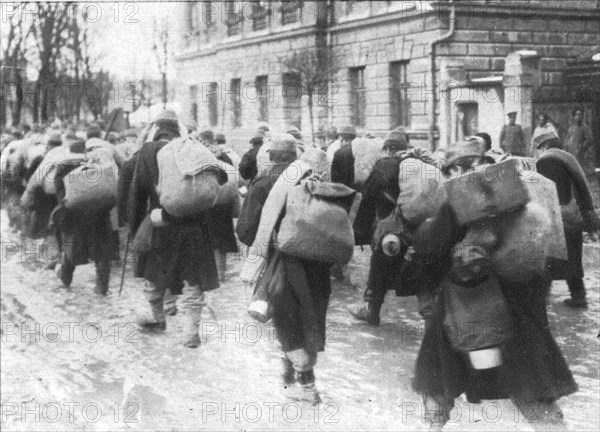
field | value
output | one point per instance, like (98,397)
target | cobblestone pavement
(73,361)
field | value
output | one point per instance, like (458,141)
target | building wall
(375,34)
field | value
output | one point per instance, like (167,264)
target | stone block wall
(375,34)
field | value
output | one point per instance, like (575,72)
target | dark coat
(533,369)
(300,306)
(125,178)
(375,205)
(342,166)
(575,200)
(247,224)
(222,232)
(248,166)
(82,237)
(180,251)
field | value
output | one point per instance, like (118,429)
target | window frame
(358,96)
(401,109)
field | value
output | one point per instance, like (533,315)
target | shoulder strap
(275,202)
(355,206)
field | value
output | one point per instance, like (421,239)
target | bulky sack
(533,237)
(34,152)
(189,177)
(366,152)
(12,161)
(476,317)
(92,187)
(422,191)
(48,168)
(318,222)
(487,192)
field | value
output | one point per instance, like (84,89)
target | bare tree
(12,65)
(317,70)
(50,30)
(160,46)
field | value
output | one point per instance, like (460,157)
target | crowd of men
(185,255)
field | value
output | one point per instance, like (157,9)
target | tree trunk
(164,89)
(16,111)
(3,117)
(44,103)
(311,117)
(2,112)
(35,110)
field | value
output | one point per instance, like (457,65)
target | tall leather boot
(156,322)
(309,389)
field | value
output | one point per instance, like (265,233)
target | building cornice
(379,19)
(225,45)
(514,8)
(261,37)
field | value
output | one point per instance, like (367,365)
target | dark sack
(269,283)
(142,241)
(228,194)
(92,187)
(318,222)
(476,317)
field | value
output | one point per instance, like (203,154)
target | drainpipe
(330,21)
(433,118)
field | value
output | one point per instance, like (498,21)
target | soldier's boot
(576,303)
(102,278)
(578,298)
(65,272)
(191,337)
(369,313)
(156,321)
(288,374)
(337,271)
(306,380)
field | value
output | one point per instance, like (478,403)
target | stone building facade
(441,69)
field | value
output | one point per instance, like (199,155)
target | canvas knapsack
(366,152)
(92,187)
(487,191)
(422,190)
(189,177)
(228,194)
(533,238)
(318,222)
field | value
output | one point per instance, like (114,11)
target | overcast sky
(124,40)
